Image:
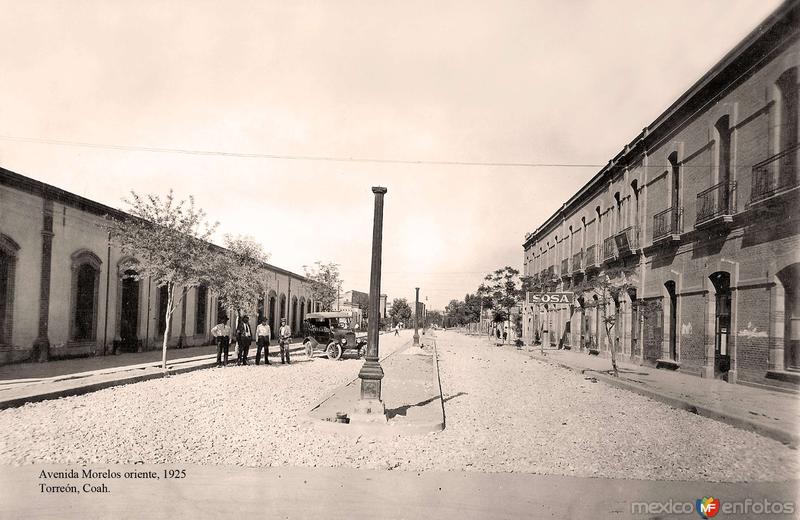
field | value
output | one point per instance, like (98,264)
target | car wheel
(334,351)
(309,349)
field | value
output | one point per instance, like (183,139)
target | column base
(370,411)
(41,350)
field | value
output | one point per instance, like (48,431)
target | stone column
(41,346)
(370,407)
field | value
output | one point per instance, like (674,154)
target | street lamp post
(416,318)
(370,408)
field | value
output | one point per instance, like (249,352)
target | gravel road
(505,413)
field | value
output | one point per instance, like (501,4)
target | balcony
(627,241)
(609,250)
(565,272)
(775,176)
(591,258)
(668,226)
(716,205)
(577,263)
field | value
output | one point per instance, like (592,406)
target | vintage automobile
(332,333)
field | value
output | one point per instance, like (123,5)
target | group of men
(244,337)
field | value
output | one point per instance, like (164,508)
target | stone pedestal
(369,411)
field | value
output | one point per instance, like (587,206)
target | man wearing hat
(222,333)
(285,334)
(244,336)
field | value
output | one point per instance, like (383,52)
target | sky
(279,117)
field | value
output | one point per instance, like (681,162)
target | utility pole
(416,318)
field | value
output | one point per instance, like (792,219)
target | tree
(435,318)
(400,311)
(504,289)
(456,312)
(609,286)
(325,283)
(238,275)
(472,308)
(169,241)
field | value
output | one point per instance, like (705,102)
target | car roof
(334,314)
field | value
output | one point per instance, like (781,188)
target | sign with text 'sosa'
(551,297)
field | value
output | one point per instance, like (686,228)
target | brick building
(700,212)
(63,292)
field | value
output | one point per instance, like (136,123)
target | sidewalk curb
(175,367)
(790,438)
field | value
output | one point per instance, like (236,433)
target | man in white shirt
(285,335)
(263,334)
(222,333)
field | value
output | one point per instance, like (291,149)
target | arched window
(85,290)
(129,309)
(283,306)
(8,264)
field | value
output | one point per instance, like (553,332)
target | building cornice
(780,26)
(48,192)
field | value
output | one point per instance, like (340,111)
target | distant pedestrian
(285,335)
(397,329)
(263,334)
(244,336)
(222,334)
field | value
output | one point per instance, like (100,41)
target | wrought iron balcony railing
(627,241)
(609,249)
(565,272)
(591,257)
(667,223)
(775,175)
(577,262)
(717,202)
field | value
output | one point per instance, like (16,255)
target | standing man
(397,329)
(263,334)
(285,334)
(244,336)
(222,333)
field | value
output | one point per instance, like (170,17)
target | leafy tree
(326,283)
(400,311)
(503,286)
(435,318)
(238,275)
(610,286)
(169,240)
(456,312)
(472,308)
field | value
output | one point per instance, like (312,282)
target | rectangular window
(200,310)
